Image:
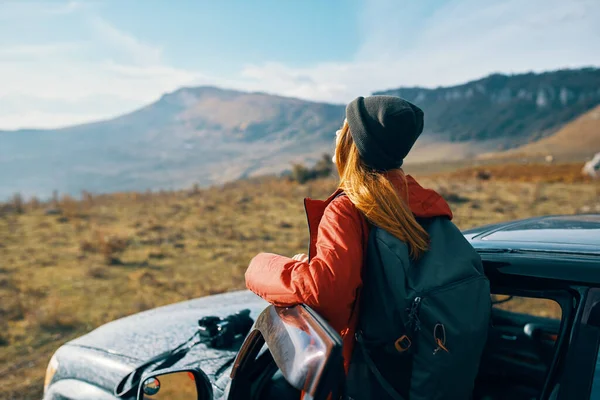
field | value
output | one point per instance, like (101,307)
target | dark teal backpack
(423,324)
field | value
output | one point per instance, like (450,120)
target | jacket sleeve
(328,283)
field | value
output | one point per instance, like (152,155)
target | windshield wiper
(214,332)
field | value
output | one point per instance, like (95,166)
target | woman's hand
(300,257)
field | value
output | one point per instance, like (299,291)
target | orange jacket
(330,282)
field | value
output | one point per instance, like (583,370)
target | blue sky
(66,62)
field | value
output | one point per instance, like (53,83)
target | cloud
(66,8)
(37,119)
(125,44)
(458,42)
(36,50)
(109,71)
(10,10)
(105,89)
(152,71)
(323,82)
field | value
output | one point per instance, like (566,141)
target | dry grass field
(68,266)
(541,173)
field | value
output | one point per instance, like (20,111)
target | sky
(65,62)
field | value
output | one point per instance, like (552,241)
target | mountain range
(208,135)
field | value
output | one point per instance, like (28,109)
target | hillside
(510,110)
(199,135)
(208,135)
(578,138)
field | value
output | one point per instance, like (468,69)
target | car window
(593,319)
(595,392)
(521,343)
(536,307)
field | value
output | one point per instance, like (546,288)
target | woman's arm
(328,283)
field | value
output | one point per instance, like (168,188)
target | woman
(377,135)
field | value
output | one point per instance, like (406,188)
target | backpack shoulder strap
(393,272)
(380,379)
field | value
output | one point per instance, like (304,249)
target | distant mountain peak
(206,134)
(519,107)
(189,93)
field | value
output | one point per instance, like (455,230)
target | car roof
(571,234)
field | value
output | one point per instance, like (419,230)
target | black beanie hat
(384,129)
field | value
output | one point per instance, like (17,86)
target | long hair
(376,197)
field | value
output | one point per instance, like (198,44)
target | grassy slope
(109,256)
(579,138)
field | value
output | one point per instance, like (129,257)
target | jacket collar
(424,203)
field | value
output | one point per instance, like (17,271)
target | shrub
(109,246)
(322,169)
(195,189)
(18,203)
(4,341)
(69,207)
(452,196)
(51,316)
(483,175)
(85,246)
(4,334)
(301,174)
(97,271)
(34,203)
(12,308)
(87,198)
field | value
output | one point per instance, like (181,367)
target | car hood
(111,351)
(151,332)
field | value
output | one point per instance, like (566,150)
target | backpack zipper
(414,323)
(440,289)
(413,315)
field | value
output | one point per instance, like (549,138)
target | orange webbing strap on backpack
(380,379)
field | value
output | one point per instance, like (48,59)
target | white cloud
(152,71)
(126,44)
(313,83)
(461,41)
(105,86)
(17,9)
(108,71)
(36,50)
(67,8)
(37,119)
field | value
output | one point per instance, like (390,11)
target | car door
(536,353)
(579,377)
(293,343)
(528,328)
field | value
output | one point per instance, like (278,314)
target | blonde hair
(376,197)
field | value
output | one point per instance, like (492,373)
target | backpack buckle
(402,344)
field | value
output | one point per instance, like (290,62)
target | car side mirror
(175,384)
(306,350)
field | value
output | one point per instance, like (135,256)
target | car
(543,343)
